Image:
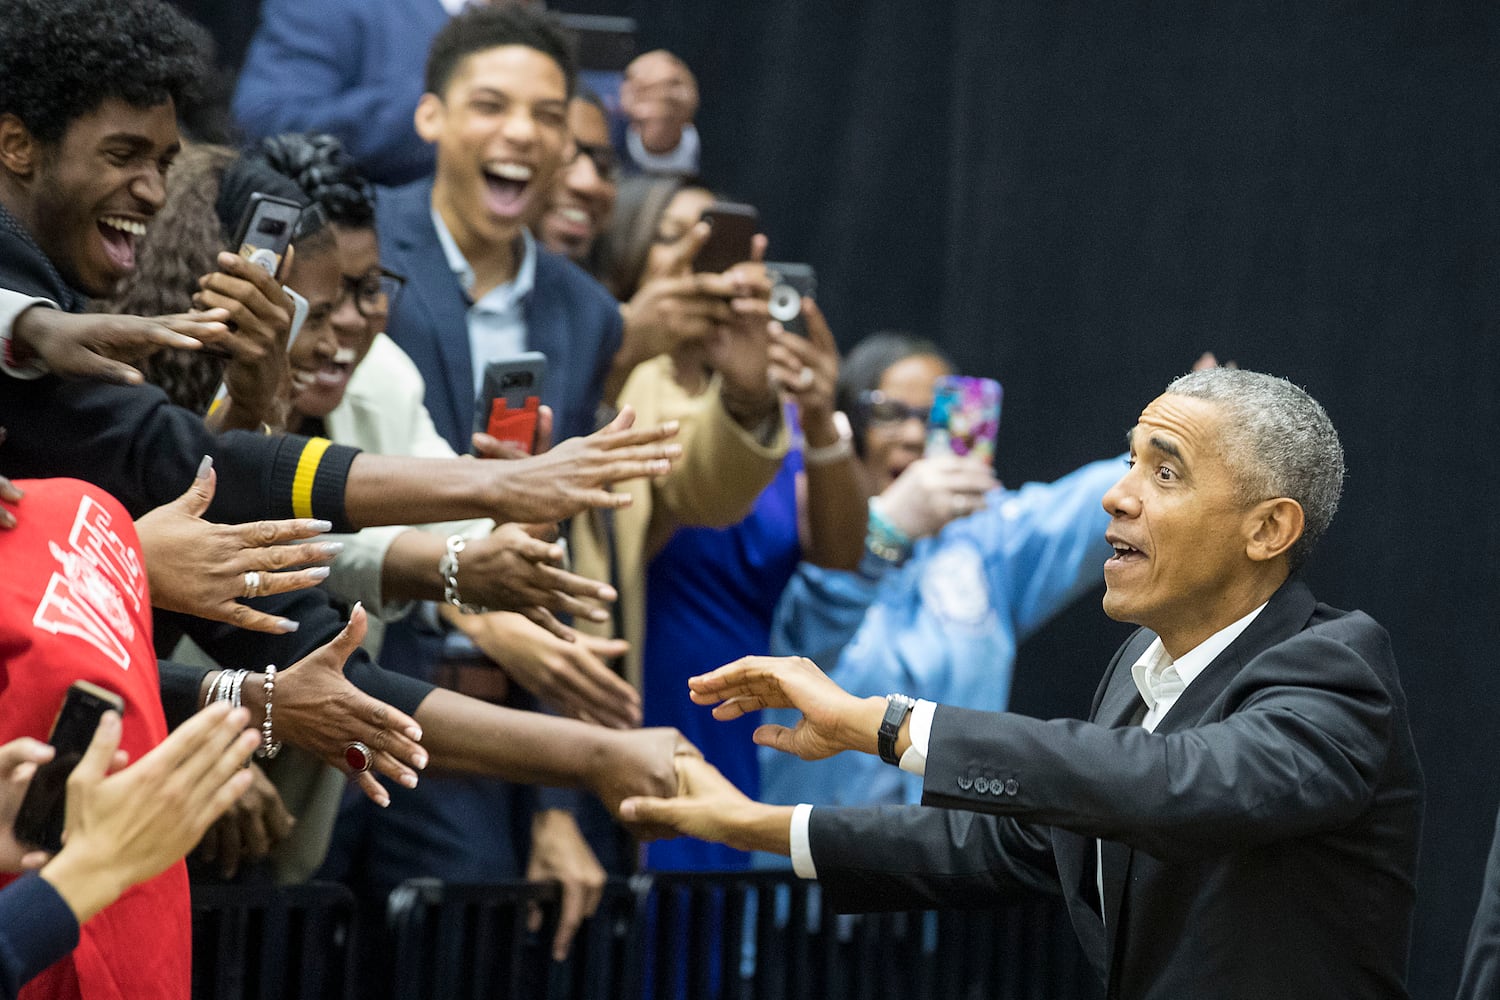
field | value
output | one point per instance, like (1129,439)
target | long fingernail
(319,572)
(409,780)
(383,801)
(286,625)
(331,548)
(419,761)
(319,526)
(204,466)
(415,733)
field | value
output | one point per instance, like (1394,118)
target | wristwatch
(897,708)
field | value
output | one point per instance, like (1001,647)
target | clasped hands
(708,806)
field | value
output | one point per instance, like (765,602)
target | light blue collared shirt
(497,322)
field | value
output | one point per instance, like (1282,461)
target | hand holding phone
(790,284)
(39,822)
(265,230)
(732,228)
(965,417)
(509,399)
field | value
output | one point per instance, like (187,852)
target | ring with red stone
(358,757)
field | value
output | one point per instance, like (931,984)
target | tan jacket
(715,483)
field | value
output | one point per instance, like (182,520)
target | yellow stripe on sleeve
(307,471)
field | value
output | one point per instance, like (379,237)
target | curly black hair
(61,59)
(480,29)
(326,173)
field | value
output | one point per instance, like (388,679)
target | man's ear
(19,150)
(429,117)
(1272,527)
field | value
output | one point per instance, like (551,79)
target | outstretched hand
(832,719)
(708,806)
(202,568)
(571,477)
(103,346)
(317,708)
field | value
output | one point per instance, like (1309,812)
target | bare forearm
(410,569)
(836,495)
(386,489)
(468,735)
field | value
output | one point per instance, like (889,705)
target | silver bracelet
(841,448)
(269,747)
(239,686)
(448,570)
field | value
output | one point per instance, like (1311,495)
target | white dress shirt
(1159,678)
(497,322)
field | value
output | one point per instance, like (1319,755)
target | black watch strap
(897,708)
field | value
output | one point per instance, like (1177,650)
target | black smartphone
(732,226)
(266,230)
(39,822)
(509,397)
(790,283)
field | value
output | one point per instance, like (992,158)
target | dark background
(1079,199)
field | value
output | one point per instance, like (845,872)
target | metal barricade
(269,943)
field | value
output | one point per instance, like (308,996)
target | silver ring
(806,377)
(252,583)
(358,757)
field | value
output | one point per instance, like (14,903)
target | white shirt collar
(501,297)
(680,159)
(1161,679)
(454,7)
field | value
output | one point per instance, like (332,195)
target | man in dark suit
(1239,817)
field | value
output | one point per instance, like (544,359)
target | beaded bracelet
(269,747)
(883,538)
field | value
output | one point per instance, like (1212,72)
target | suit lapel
(1284,616)
(435,291)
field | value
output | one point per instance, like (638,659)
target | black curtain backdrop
(1079,199)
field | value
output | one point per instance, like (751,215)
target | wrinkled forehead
(1180,425)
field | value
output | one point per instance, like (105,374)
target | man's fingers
(547,620)
(571,913)
(742,705)
(776,737)
(649,811)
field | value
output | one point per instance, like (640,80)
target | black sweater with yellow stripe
(132,442)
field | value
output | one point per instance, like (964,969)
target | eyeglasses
(880,409)
(606,164)
(373,293)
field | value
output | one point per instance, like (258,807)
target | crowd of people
(358,638)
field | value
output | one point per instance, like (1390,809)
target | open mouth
(572,221)
(506,186)
(119,235)
(333,373)
(1124,554)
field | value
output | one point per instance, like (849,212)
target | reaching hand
(19,760)
(201,568)
(933,491)
(560,854)
(816,354)
(832,719)
(252,826)
(709,807)
(317,708)
(260,314)
(639,762)
(570,478)
(129,826)
(571,677)
(511,570)
(103,346)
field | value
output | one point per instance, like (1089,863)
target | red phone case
(517,427)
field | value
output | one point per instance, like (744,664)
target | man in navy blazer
(1239,818)
(478,288)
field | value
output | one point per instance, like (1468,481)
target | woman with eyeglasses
(957,572)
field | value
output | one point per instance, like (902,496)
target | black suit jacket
(1262,842)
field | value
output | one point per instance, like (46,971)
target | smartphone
(731,228)
(790,283)
(509,397)
(266,230)
(965,418)
(39,822)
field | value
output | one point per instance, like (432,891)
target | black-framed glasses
(881,409)
(606,163)
(373,293)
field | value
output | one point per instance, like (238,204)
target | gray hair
(1280,443)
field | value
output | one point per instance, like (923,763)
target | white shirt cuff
(12,305)
(802,859)
(914,761)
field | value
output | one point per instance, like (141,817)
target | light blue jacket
(943,626)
